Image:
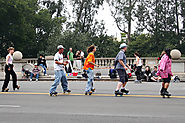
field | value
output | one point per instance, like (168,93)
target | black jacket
(42,61)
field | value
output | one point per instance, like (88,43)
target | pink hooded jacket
(164,68)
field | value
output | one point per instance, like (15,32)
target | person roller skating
(9,71)
(121,66)
(88,67)
(60,75)
(164,71)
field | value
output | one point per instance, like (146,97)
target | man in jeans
(60,75)
(121,67)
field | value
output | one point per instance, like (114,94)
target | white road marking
(10,106)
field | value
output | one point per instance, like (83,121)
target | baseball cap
(60,47)
(35,64)
(123,45)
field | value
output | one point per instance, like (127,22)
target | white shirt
(140,63)
(82,54)
(10,60)
(60,58)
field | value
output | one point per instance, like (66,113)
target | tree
(17,27)
(123,11)
(84,15)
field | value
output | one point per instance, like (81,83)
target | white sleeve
(56,57)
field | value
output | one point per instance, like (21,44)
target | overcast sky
(105,14)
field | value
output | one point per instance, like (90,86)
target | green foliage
(34,27)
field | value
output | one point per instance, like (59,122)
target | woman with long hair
(164,71)
(138,67)
(88,67)
(9,71)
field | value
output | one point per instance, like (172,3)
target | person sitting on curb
(147,74)
(154,76)
(35,72)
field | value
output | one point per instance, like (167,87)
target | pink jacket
(164,68)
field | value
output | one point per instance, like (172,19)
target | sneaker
(37,80)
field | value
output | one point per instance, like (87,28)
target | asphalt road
(32,104)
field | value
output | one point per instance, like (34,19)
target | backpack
(112,73)
(176,79)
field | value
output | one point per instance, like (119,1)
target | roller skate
(5,90)
(165,94)
(118,93)
(68,91)
(90,93)
(125,91)
(93,89)
(18,87)
(53,94)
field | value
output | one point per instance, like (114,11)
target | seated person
(42,62)
(147,74)
(35,72)
(154,76)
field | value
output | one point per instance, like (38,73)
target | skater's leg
(7,79)
(123,79)
(90,80)
(56,82)
(64,82)
(14,77)
(119,86)
(123,85)
(166,85)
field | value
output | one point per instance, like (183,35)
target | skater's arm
(7,62)
(64,63)
(129,67)
(137,61)
(94,64)
(7,59)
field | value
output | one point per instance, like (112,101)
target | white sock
(119,86)
(122,87)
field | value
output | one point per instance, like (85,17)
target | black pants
(138,72)
(72,63)
(7,77)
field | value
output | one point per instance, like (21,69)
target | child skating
(164,71)
(121,66)
(89,67)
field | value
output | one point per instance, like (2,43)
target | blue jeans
(37,76)
(60,76)
(44,67)
(90,75)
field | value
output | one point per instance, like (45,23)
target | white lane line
(10,106)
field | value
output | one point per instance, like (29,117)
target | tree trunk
(177,16)
(129,21)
